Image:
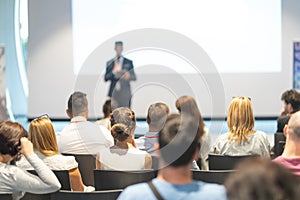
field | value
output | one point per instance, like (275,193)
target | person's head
(119,47)
(156,116)
(123,124)
(10,135)
(291,101)
(107,108)
(187,106)
(292,129)
(260,179)
(42,136)
(240,119)
(77,105)
(179,141)
(281,122)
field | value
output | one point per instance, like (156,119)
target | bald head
(294,125)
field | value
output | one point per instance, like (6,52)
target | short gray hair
(77,103)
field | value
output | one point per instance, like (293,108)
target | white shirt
(205,144)
(104,122)
(17,181)
(55,162)
(83,137)
(258,144)
(122,159)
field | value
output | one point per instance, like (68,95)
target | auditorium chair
(68,195)
(86,165)
(155,162)
(5,196)
(279,143)
(212,176)
(110,179)
(62,176)
(221,162)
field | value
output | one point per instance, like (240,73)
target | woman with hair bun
(123,155)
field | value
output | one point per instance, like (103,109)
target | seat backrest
(5,196)
(155,162)
(30,196)
(86,165)
(68,195)
(221,162)
(212,176)
(110,180)
(62,176)
(279,143)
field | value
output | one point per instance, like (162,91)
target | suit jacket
(122,96)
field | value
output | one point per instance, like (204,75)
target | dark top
(122,95)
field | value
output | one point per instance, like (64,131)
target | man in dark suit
(120,72)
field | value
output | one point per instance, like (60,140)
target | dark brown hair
(107,108)
(292,97)
(187,107)
(178,140)
(10,135)
(260,179)
(123,122)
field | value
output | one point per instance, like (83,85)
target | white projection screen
(212,50)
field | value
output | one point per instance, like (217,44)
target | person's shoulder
(127,60)
(140,142)
(11,172)
(102,129)
(110,61)
(138,191)
(24,164)
(223,137)
(211,190)
(260,134)
(137,151)
(95,126)
(60,162)
(66,129)
(282,160)
(278,159)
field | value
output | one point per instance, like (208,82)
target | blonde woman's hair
(42,136)
(240,119)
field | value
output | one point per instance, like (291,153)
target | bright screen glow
(240,36)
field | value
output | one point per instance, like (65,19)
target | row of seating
(109,184)
(111,179)
(69,195)
(86,164)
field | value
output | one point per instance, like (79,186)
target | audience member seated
(42,136)
(291,153)
(241,138)
(291,104)
(178,147)
(123,155)
(82,136)
(187,105)
(279,136)
(13,143)
(107,109)
(156,118)
(260,179)
(281,122)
